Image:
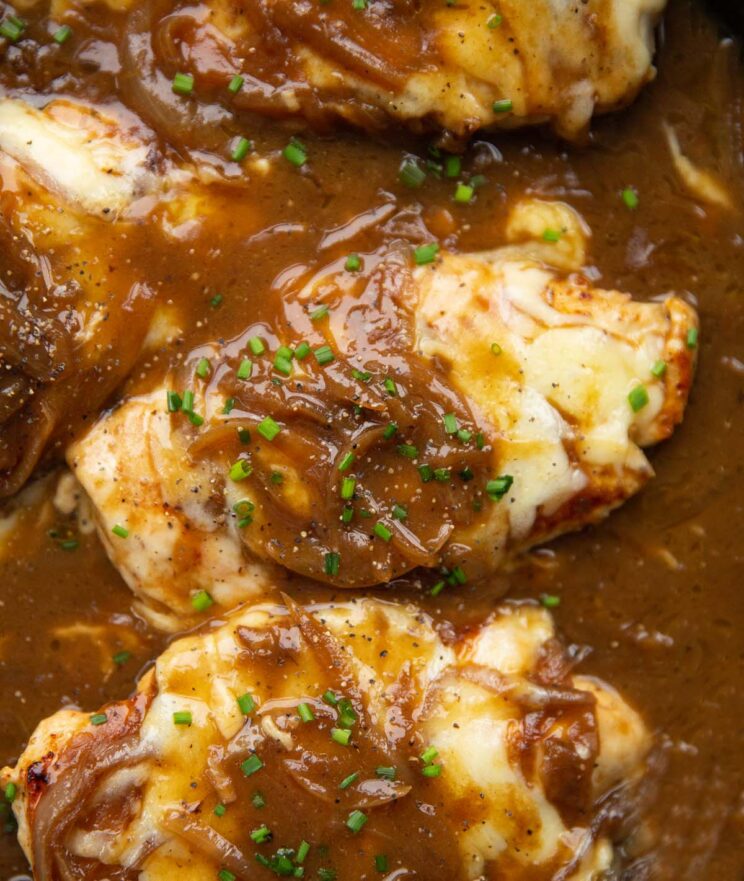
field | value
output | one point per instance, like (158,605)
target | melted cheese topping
(470,701)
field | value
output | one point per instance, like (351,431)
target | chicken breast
(252,743)
(452,66)
(446,415)
(82,188)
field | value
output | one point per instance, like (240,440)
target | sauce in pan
(653,594)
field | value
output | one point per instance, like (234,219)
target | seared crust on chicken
(282,724)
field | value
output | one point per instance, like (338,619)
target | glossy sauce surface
(654,592)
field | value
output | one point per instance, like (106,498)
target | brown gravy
(653,592)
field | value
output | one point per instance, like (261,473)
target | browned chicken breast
(446,411)
(432,65)
(311,742)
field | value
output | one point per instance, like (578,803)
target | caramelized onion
(208,842)
(88,758)
(148,90)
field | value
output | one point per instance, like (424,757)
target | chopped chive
(347,515)
(326,874)
(494,21)
(426,254)
(464,193)
(187,402)
(659,369)
(499,487)
(215,301)
(261,834)
(282,365)
(361,375)
(466,473)
(386,772)
(305,713)
(201,601)
(438,588)
(174,402)
(302,851)
(341,736)
(295,153)
(121,658)
(256,345)
(381,531)
(324,355)
(426,472)
(443,475)
(268,429)
(319,313)
(353,263)
(225,875)
(408,450)
(457,576)
(219,810)
(346,461)
(429,754)
(182,717)
(277,478)
(411,174)
(381,863)
(235,84)
(390,430)
(195,418)
(183,84)
(399,513)
(241,149)
(348,485)
(251,765)
(505,105)
(390,387)
(69,544)
(550,601)
(431,770)
(332,563)
(258,801)
(229,406)
(62,34)
(246,703)
(638,398)
(630,198)
(692,338)
(239,470)
(551,235)
(302,351)
(330,698)
(480,441)
(10,791)
(121,531)
(464,435)
(98,719)
(244,436)
(356,820)
(452,166)
(11,30)
(203,368)
(347,781)
(245,370)
(347,716)
(450,423)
